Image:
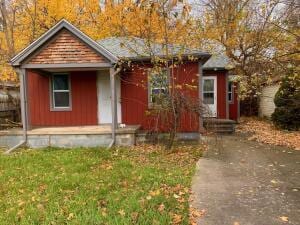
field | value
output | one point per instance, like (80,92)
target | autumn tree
(163,26)
(255,35)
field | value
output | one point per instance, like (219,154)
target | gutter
(23,97)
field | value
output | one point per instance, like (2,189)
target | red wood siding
(134,95)
(233,107)
(83,95)
(221,91)
(66,48)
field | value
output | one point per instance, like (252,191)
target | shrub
(287,102)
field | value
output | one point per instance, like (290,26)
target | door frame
(215,78)
(118,90)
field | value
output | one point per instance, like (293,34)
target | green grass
(141,185)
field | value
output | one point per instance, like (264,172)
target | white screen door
(104,98)
(209,90)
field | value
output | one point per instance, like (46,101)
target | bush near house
(138,185)
(287,102)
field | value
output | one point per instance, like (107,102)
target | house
(73,94)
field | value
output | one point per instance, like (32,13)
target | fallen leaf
(177,219)
(284,218)
(176,196)
(71,216)
(274,182)
(134,216)
(161,207)
(122,212)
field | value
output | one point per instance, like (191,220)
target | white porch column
(23,98)
(114,110)
(200,72)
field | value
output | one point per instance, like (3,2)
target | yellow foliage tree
(28,19)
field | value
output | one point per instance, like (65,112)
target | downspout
(23,98)
(113,105)
(200,72)
(227,99)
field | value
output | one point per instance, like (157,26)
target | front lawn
(139,185)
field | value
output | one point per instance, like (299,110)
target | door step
(221,126)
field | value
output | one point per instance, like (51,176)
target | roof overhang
(17,60)
(187,57)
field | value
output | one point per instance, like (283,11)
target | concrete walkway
(241,182)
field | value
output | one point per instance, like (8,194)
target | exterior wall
(83,98)
(66,48)
(234,105)
(134,96)
(221,91)
(266,101)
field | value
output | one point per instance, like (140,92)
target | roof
(137,48)
(116,48)
(218,62)
(63,24)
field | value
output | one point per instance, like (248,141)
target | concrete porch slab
(75,136)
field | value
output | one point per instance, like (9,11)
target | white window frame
(53,91)
(230,92)
(150,88)
(215,79)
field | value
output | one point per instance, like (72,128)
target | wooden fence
(9,111)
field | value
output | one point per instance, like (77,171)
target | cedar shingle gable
(66,48)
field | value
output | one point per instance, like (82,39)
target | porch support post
(200,72)
(227,100)
(114,117)
(23,99)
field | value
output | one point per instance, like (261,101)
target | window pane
(208,98)
(208,85)
(159,80)
(158,86)
(61,99)
(61,82)
(229,97)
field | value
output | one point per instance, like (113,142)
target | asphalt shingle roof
(134,48)
(217,62)
(137,48)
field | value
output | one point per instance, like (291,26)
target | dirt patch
(265,132)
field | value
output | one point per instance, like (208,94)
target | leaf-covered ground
(264,131)
(138,185)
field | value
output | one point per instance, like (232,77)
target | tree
(287,101)
(256,37)
(161,24)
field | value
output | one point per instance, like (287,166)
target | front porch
(71,136)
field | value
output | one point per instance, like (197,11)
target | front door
(104,98)
(209,87)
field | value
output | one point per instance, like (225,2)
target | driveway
(241,182)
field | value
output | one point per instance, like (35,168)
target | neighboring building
(68,79)
(9,102)
(266,100)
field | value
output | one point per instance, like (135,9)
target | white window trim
(150,103)
(215,78)
(232,93)
(52,91)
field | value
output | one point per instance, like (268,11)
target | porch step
(221,126)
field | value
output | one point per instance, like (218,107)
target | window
(230,92)
(158,85)
(61,91)
(209,91)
